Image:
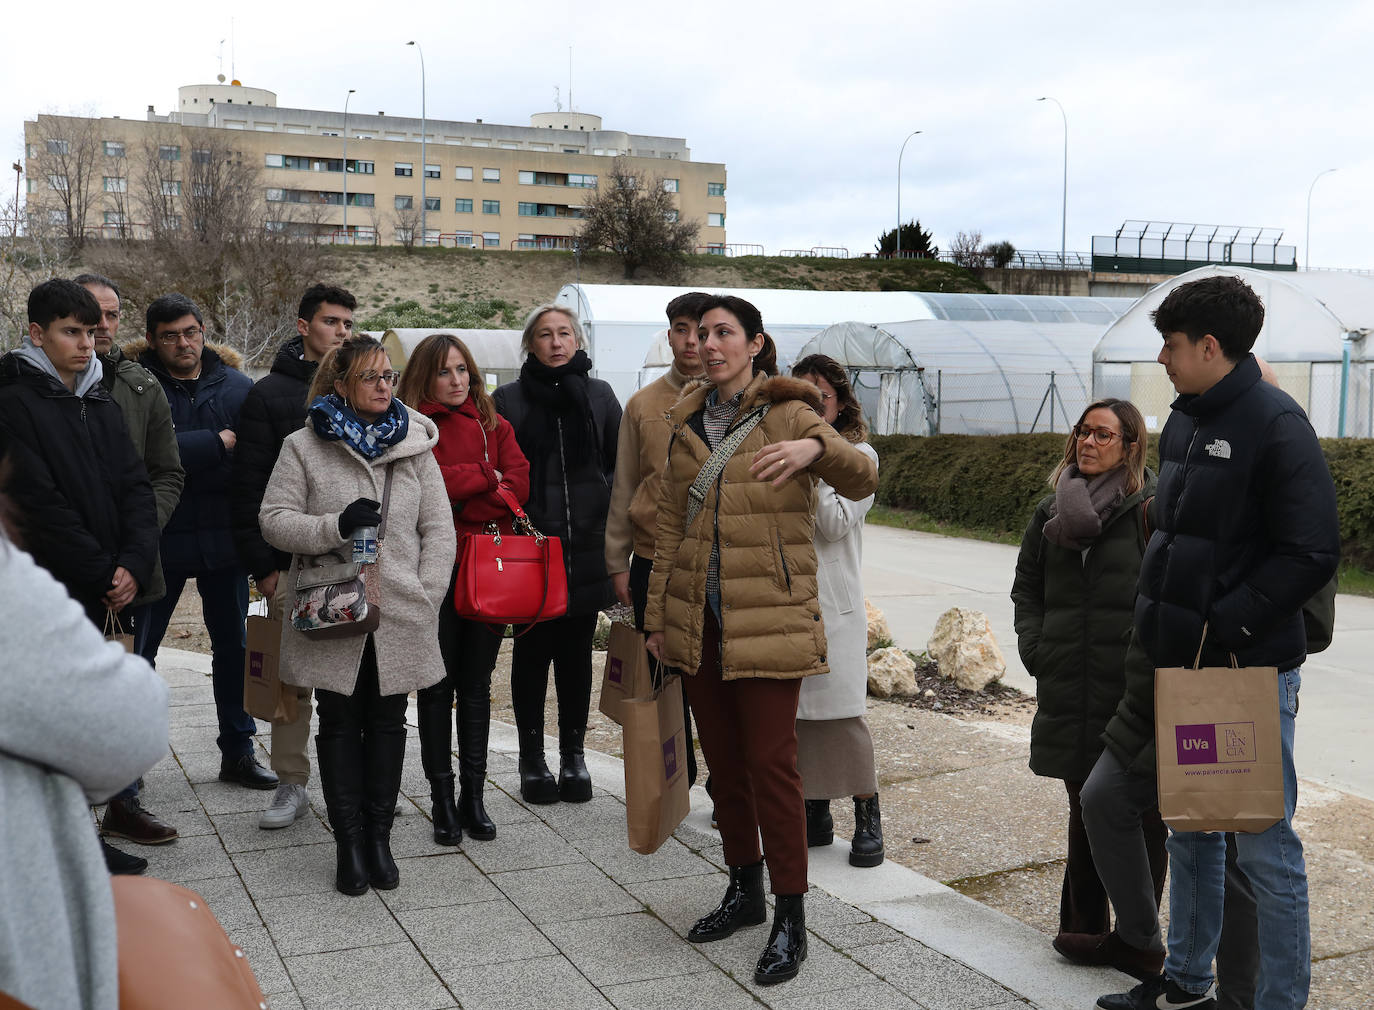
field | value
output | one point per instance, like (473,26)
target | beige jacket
(639,459)
(771,617)
(313,481)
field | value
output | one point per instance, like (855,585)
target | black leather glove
(362,512)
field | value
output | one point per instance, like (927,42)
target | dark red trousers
(748,732)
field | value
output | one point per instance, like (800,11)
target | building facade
(474,185)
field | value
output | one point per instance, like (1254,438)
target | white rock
(878,631)
(965,649)
(929,693)
(890,671)
(603,625)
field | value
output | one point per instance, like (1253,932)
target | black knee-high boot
(341,778)
(434,713)
(385,749)
(474,726)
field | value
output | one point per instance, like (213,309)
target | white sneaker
(288,804)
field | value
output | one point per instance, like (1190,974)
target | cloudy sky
(1202,111)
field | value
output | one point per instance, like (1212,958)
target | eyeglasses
(1100,436)
(170,337)
(827,397)
(372,378)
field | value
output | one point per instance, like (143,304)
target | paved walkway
(558,912)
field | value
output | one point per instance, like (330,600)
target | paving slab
(562,893)
(487,932)
(390,977)
(543,983)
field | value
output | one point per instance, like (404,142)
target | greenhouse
(497,352)
(1314,334)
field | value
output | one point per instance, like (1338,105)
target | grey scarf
(1081,504)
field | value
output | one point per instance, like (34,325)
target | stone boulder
(878,631)
(965,649)
(890,671)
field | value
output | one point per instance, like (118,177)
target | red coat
(469,457)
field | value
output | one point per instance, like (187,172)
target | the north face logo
(1219,448)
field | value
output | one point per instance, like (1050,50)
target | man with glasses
(206,390)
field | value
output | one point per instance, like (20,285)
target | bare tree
(66,157)
(222,195)
(159,184)
(967,250)
(633,216)
(407,224)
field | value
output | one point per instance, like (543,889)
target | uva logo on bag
(616,673)
(1211,743)
(670,758)
(255,665)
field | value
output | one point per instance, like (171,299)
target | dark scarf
(1082,504)
(335,421)
(557,395)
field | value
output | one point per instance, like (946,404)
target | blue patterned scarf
(335,421)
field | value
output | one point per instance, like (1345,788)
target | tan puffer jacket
(771,619)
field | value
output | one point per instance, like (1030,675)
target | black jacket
(1245,533)
(197,537)
(85,504)
(274,408)
(572,505)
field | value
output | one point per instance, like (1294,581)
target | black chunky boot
(574,782)
(474,724)
(786,949)
(820,826)
(743,905)
(537,784)
(341,778)
(386,750)
(434,713)
(867,847)
(447,826)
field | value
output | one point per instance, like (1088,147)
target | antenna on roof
(233,51)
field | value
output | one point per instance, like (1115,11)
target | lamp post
(913,133)
(1307,242)
(345,164)
(1064,200)
(423,130)
(18,171)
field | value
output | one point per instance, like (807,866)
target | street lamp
(423,130)
(345,163)
(899,191)
(1307,242)
(1064,200)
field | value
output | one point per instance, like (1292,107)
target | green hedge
(994,481)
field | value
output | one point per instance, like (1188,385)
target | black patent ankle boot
(786,949)
(820,827)
(537,784)
(574,782)
(447,829)
(867,847)
(743,905)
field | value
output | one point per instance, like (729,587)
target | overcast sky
(1205,112)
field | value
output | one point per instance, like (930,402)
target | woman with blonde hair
(361,454)
(1074,596)
(480,462)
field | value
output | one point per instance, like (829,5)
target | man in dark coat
(205,390)
(1246,532)
(273,409)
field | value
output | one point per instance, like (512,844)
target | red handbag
(510,579)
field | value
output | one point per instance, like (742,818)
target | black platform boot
(574,782)
(341,778)
(820,826)
(436,756)
(385,751)
(786,949)
(743,905)
(537,784)
(474,724)
(867,847)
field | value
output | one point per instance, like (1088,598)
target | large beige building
(478,184)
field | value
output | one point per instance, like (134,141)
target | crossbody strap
(386,500)
(720,455)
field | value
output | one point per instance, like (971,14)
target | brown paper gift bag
(114,631)
(263,697)
(655,746)
(1218,751)
(626,673)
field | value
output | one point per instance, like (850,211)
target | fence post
(939,398)
(1345,384)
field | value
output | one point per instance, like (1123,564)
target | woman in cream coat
(834,747)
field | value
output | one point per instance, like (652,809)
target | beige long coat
(312,483)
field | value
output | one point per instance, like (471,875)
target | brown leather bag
(173,953)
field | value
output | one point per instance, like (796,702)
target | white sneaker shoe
(289,803)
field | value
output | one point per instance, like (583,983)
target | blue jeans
(224,605)
(1272,861)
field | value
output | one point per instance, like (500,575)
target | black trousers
(640,570)
(365,712)
(566,642)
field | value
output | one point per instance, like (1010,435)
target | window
(114,149)
(463,173)
(431,171)
(572,150)
(30,186)
(361,167)
(670,215)
(171,187)
(462,239)
(508,146)
(275,161)
(462,205)
(172,222)
(527,209)
(405,168)
(116,184)
(431,203)
(115,217)
(670,185)
(491,206)
(715,189)
(362,200)
(526,178)
(715,220)
(491,175)
(202,190)
(58,182)
(200,156)
(276,195)
(169,152)
(431,236)
(491,240)
(57,146)
(582,181)
(405,203)
(404,236)
(314,196)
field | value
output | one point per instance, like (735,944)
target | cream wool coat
(312,483)
(843,692)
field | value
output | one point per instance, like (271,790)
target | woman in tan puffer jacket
(732,602)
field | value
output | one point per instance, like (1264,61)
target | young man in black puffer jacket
(1246,532)
(274,408)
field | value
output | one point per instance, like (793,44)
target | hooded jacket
(198,537)
(469,458)
(85,503)
(770,615)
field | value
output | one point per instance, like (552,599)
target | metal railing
(1022,259)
